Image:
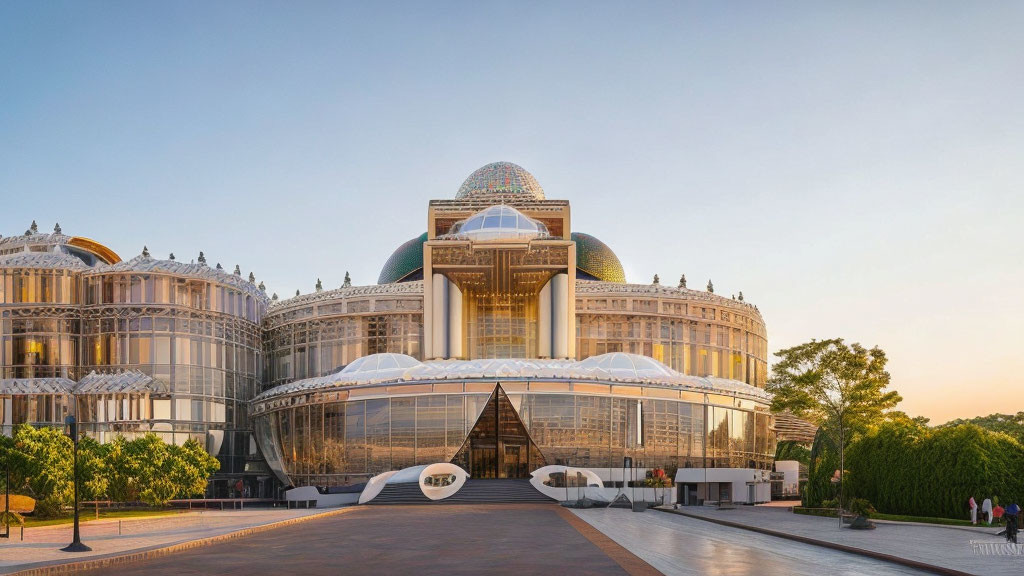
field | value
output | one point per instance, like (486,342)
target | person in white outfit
(986,509)
(974,510)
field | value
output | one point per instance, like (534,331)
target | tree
(823,381)
(839,387)
(1009,424)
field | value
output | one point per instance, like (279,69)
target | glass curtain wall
(348,442)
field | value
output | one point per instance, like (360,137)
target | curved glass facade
(340,437)
(692,332)
(39,323)
(319,334)
(200,337)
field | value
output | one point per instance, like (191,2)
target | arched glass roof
(621,365)
(498,223)
(383,361)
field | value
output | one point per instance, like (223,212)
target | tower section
(499,273)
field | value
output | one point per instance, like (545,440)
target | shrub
(861,507)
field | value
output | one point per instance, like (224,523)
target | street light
(76,544)
(7,497)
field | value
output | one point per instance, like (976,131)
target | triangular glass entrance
(499,445)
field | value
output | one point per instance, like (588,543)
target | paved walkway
(947,547)
(416,540)
(682,546)
(42,545)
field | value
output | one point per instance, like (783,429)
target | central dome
(500,178)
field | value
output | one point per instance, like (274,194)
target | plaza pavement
(683,546)
(452,540)
(944,546)
(499,539)
(41,546)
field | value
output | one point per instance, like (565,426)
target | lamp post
(76,544)
(7,497)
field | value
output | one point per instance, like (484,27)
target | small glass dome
(383,361)
(498,223)
(628,366)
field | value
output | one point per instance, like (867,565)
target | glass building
(511,342)
(501,340)
(137,346)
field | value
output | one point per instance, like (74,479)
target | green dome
(596,261)
(406,263)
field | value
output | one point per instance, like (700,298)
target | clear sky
(855,168)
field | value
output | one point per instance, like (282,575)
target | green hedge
(914,470)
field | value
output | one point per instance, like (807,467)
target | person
(1012,518)
(974,510)
(986,509)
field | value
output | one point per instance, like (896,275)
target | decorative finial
(172,255)
(274,297)
(219,267)
(711,287)
(657,280)
(238,271)
(202,258)
(252,278)
(56,228)
(319,285)
(348,280)
(34,228)
(145,252)
(682,281)
(741,295)
(262,287)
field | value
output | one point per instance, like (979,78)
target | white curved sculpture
(374,486)
(441,480)
(581,483)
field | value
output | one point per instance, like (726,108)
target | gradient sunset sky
(856,169)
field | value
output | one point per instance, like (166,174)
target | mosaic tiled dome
(406,263)
(596,261)
(500,178)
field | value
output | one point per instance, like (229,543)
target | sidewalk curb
(825,544)
(120,559)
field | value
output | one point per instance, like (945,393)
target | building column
(454,321)
(560,316)
(544,322)
(439,316)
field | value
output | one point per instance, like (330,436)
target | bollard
(118,527)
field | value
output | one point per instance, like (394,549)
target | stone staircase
(497,491)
